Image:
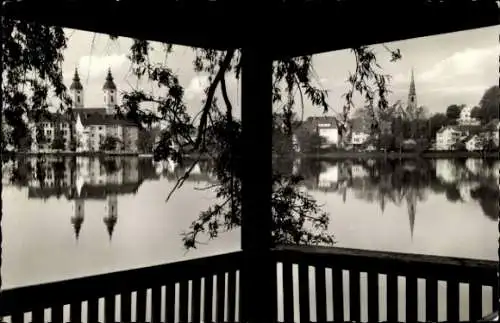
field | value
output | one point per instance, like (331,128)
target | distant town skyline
(454,68)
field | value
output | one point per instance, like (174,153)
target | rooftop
(207,18)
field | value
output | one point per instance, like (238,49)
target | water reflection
(407,182)
(84,179)
(404,183)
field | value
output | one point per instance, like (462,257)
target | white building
(466,118)
(446,137)
(474,143)
(330,132)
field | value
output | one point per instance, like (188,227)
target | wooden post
(258,286)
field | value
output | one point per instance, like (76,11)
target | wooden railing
(334,284)
(341,272)
(201,289)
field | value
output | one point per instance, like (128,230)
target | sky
(454,68)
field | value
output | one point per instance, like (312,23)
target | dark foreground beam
(288,28)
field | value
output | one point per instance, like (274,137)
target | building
(325,127)
(86,129)
(466,118)
(446,137)
(474,143)
(360,131)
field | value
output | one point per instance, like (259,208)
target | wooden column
(258,284)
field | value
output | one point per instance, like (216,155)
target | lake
(72,217)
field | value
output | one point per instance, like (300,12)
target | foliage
(146,139)
(488,105)
(110,143)
(453,111)
(59,142)
(31,67)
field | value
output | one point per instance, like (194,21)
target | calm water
(77,217)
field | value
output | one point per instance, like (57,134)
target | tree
(297,216)
(146,139)
(436,122)
(59,142)
(110,143)
(488,105)
(453,112)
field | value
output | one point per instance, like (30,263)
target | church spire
(109,84)
(76,85)
(412,94)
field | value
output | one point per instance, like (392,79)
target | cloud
(96,66)
(467,63)
(196,86)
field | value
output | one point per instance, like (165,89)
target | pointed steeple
(76,85)
(77,225)
(109,84)
(412,94)
(110,225)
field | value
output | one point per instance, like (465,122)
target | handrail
(439,267)
(24,299)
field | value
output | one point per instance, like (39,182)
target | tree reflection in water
(403,183)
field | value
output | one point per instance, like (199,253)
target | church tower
(110,95)
(412,95)
(76,89)
(112,214)
(77,219)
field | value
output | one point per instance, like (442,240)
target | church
(90,127)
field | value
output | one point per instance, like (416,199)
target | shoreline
(69,153)
(330,155)
(403,155)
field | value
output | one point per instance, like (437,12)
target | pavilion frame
(258,275)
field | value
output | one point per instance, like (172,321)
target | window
(78,99)
(111,98)
(100,127)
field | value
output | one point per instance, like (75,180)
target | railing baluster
(431,304)
(156,304)
(452,301)
(93,310)
(373,301)
(231,293)
(392,298)
(170,303)
(109,308)
(495,297)
(207,306)
(354,296)
(75,311)
(196,299)
(320,294)
(17,318)
(220,297)
(38,315)
(475,301)
(125,307)
(288,312)
(56,313)
(411,298)
(304,310)
(140,306)
(338,294)
(183,301)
